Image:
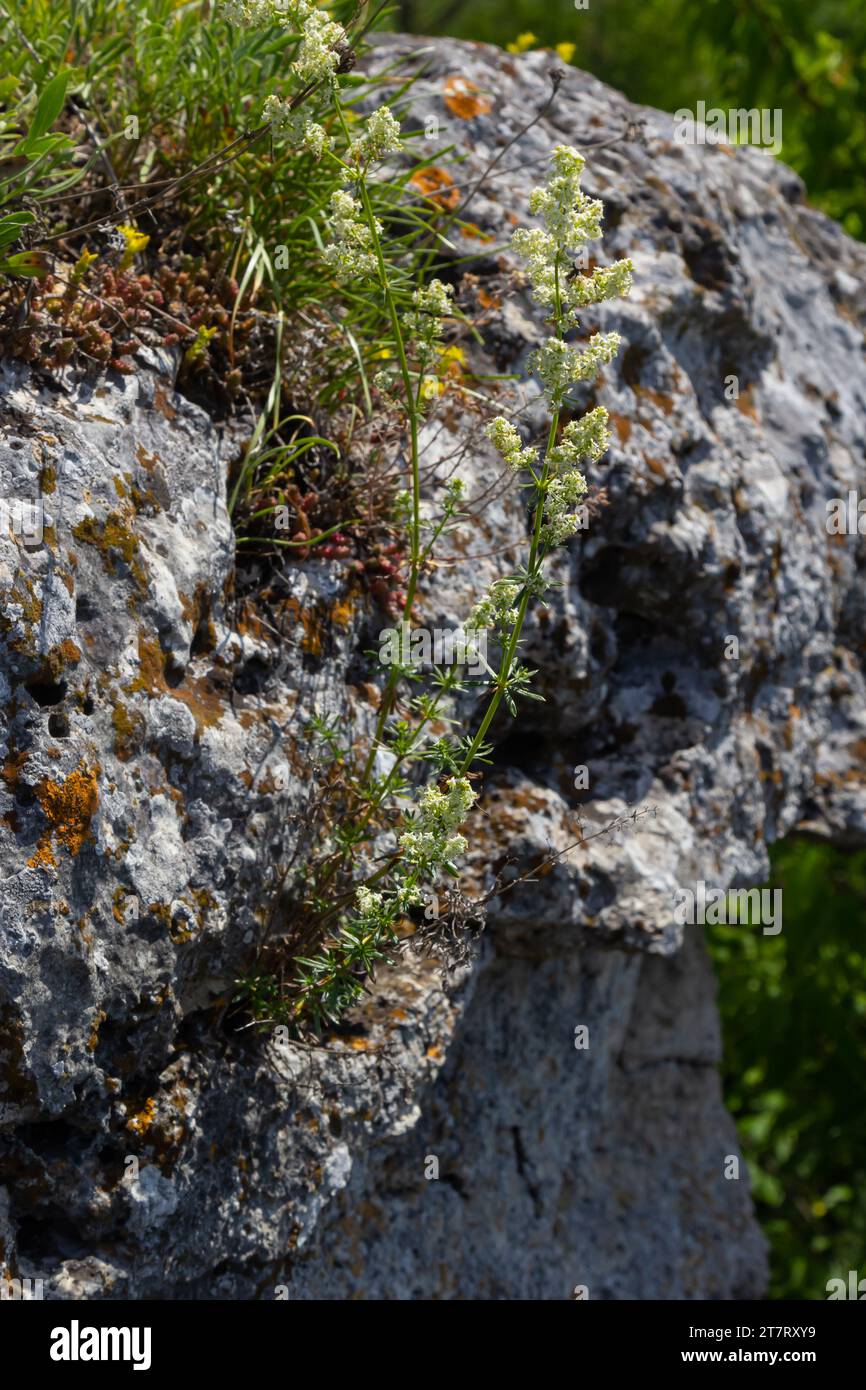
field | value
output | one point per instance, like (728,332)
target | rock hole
(46,692)
(58,725)
(174,672)
(85,609)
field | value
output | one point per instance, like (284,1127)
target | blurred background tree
(806,57)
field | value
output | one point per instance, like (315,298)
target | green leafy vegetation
(793,1010)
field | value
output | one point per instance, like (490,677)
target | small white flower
(380,137)
(507,442)
(432,839)
(563,495)
(316,57)
(606,282)
(369,903)
(587,438)
(303,132)
(559,364)
(496,609)
(351,251)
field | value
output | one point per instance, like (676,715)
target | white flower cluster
(380,137)
(570,219)
(563,495)
(308,135)
(369,903)
(350,253)
(606,282)
(586,438)
(433,839)
(496,609)
(569,215)
(559,364)
(423,321)
(505,439)
(317,56)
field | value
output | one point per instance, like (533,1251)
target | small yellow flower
(82,265)
(522,43)
(198,347)
(566,51)
(135,242)
(453,354)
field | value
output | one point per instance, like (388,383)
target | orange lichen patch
(111,538)
(664,402)
(341,613)
(434,1051)
(163,404)
(69,808)
(147,461)
(745,404)
(94,1031)
(203,702)
(70,652)
(312,639)
(43,857)
(655,466)
(438,185)
(465,99)
(622,425)
(474,232)
(24,596)
(141,1123)
(13,766)
(128,731)
(489,301)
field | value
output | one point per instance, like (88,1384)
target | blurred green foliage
(805,57)
(793,1010)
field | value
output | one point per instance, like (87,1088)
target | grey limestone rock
(153,779)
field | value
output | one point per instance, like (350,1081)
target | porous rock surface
(154,775)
